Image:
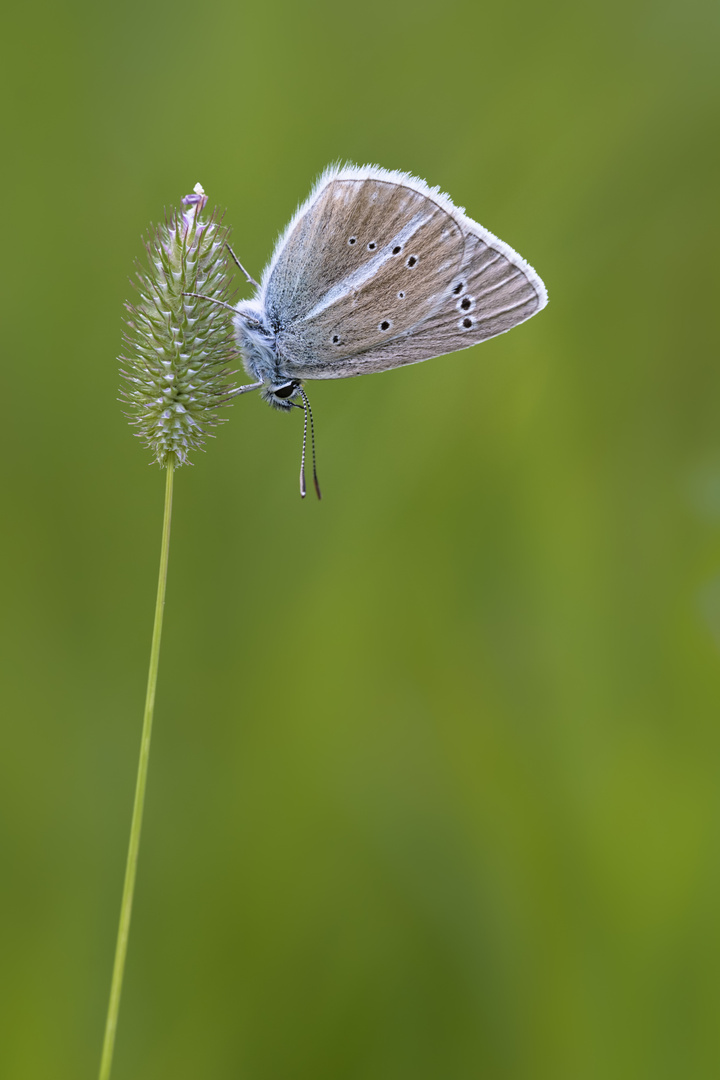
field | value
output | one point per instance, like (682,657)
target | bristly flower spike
(178,368)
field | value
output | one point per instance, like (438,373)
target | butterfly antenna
(303,489)
(308,412)
(240,266)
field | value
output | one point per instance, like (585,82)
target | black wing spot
(458,288)
(466,323)
(335,339)
(372,245)
(397,249)
(385,325)
(352,240)
(401,296)
(466,303)
(412,260)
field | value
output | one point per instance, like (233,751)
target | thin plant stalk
(177,371)
(137,815)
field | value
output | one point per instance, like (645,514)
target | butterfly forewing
(376,260)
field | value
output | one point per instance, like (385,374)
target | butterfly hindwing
(494,291)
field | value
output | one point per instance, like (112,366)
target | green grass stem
(136,825)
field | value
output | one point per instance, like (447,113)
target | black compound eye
(285,391)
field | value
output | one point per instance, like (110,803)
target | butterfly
(376,270)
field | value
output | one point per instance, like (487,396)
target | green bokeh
(434,788)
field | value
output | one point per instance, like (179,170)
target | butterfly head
(281,394)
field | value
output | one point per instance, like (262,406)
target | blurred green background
(434,786)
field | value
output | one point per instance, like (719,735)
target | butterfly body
(375,271)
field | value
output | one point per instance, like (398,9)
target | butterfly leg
(211,300)
(244,389)
(251,280)
(240,390)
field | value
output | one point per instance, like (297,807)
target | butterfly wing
(378,270)
(494,291)
(364,253)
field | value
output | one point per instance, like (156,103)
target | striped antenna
(308,412)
